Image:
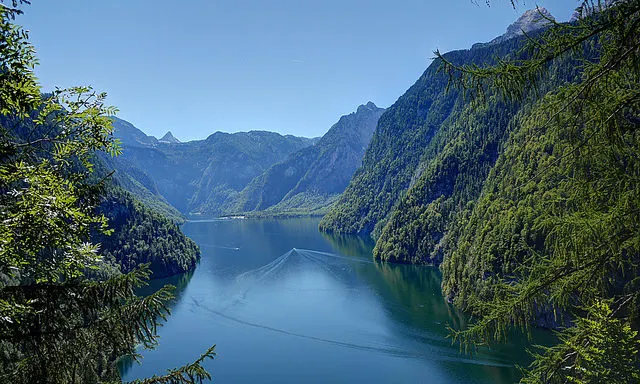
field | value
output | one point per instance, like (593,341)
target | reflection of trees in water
(412,297)
(417,290)
(180,283)
(411,293)
(350,245)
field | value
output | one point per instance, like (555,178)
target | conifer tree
(582,149)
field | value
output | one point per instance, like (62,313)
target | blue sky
(290,66)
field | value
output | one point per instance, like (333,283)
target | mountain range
(243,172)
(310,180)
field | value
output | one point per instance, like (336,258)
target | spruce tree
(579,185)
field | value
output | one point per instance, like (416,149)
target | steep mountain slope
(142,235)
(133,179)
(410,197)
(452,172)
(200,177)
(562,197)
(129,135)
(310,179)
(403,135)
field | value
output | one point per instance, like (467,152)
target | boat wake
(236,306)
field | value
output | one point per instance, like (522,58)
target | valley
(482,227)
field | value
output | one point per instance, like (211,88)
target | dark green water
(286,304)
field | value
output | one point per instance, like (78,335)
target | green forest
(524,187)
(513,167)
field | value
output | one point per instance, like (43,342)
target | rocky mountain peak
(169,138)
(530,20)
(370,106)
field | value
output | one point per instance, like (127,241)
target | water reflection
(349,245)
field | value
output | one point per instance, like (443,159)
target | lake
(286,304)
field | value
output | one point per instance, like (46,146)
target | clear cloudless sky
(291,66)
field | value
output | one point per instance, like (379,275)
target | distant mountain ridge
(309,180)
(169,138)
(198,177)
(530,21)
(245,171)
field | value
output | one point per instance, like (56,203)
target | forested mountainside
(453,169)
(563,186)
(528,194)
(133,179)
(199,177)
(309,180)
(142,235)
(408,135)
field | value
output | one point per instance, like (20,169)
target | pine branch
(188,374)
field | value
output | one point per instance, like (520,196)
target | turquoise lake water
(286,304)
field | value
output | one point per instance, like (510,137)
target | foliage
(554,238)
(142,236)
(600,348)
(190,373)
(57,326)
(454,166)
(408,133)
(73,331)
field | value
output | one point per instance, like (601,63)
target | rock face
(530,21)
(309,180)
(168,138)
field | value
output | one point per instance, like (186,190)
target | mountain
(509,196)
(531,20)
(168,138)
(200,177)
(131,136)
(429,158)
(309,180)
(141,234)
(405,132)
(135,180)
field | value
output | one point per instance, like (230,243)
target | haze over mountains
(246,171)
(443,180)
(267,173)
(309,180)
